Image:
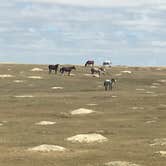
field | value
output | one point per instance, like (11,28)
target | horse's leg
(109,86)
(69,73)
(55,71)
(49,71)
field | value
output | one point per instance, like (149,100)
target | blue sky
(127,32)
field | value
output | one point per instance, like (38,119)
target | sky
(127,32)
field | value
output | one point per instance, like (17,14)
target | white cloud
(159,43)
(101,3)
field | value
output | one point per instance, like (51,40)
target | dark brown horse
(67,69)
(53,67)
(89,63)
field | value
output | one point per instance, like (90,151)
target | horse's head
(73,67)
(113,80)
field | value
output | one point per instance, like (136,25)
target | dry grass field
(131,118)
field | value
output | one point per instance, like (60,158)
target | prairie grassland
(131,116)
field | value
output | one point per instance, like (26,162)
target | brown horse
(97,70)
(89,63)
(67,69)
(53,67)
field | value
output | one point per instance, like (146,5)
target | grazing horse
(53,67)
(89,63)
(67,69)
(109,83)
(97,70)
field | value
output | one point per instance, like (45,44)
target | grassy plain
(131,116)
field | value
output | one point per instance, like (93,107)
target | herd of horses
(108,84)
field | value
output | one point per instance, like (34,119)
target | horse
(109,83)
(53,67)
(67,69)
(107,63)
(97,70)
(89,63)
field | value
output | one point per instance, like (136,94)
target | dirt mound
(47,148)
(18,81)
(126,71)
(81,111)
(6,76)
(87,138)
(159,142)
(24,96)
(36,69)
(57,88)
(35,77)
(91,104)
(120,163)
(44,123)
(161,153)
(139,89)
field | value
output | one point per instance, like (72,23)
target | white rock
(47,148)
(87,138)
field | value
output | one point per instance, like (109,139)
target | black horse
(109,83)
(53,67)
(89,63)
(67,69)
